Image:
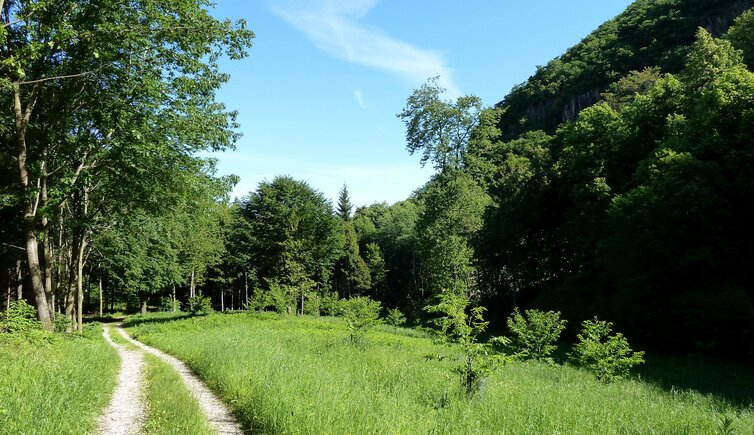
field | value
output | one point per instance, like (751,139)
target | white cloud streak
(359,98)
(334,26)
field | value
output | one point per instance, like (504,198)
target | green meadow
(289,374)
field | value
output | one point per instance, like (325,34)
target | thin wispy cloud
(335,27)
(359,98)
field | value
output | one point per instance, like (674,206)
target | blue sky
(319,93)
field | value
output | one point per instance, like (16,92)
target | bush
(19,318)
(168,305)
(312,305)
(200,304)
(281,297)
(329,304)
(535,332)
(609,357)
(460,324)
(62,323)
(360,314)
(395,318)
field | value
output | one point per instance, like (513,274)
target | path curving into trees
(130,379)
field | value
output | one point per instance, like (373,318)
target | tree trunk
(9,289)
(19,281)
(101,299)
(246,286)
(232,299)
(222,300)
(174,305)
(71,295)
(143,304)
(192,288)
(46,242)
(22,116)
(80,288)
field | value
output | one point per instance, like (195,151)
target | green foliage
(360,315)
(313,305)
(643,194)
(293,236)
(62,324)
(741,35)
(439,129)
(461,325)
(535,332)
(281,297)
(351,274)
(345,206)
(329,304)
(167,304)
(19,318)
(200,304)
(395,318)
(609,357)
(454,205)
(647,34)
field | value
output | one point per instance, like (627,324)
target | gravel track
(126,412)
(216,413)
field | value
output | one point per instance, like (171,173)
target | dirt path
(126,412)
(216,413)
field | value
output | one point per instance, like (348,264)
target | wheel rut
(127,410)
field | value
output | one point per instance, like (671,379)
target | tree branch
(47,79)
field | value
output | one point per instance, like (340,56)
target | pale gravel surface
(216,413)
(126,412)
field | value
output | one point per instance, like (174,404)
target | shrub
(360,314)
(609,357)
(313,305)
(168,305)
(62,323)
(281,297)
(19,318)
(395,318)
(200,304)
(534,332)
(461,325)
(329,304)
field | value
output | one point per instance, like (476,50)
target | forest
(636,210)
(616,182)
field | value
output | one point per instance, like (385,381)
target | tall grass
(55,384)
(300,375)
(171,408)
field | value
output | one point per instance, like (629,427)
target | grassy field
(300,375)
(53,384)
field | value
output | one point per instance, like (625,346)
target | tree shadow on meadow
(138,320)
(728,381)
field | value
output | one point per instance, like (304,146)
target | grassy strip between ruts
(171,407)
(118,339)
(300,375)
(55,384)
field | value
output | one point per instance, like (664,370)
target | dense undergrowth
(55,384)
(285,374)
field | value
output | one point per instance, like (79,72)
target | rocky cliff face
(718,23)
(525,113)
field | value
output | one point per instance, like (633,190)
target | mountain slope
(648,33)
